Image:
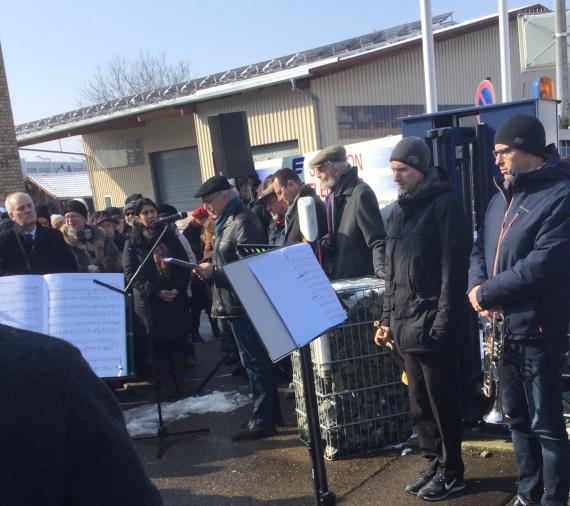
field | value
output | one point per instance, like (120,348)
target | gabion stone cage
(362,402)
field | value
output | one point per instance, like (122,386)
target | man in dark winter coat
(276,208)
(28,248)
(62,432)
(289,188)
(520,267)
(235,224)
(426,311)
(355,243)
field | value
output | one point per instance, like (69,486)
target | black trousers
(434,387)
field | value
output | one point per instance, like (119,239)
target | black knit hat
(166,209)
(133,197)
(74,206)
(413,152)
(523,132)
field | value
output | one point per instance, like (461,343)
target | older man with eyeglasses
(520,267)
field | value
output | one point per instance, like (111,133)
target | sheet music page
(90,317)
(23,302)
(299,290)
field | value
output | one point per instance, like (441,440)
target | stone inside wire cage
(362,402)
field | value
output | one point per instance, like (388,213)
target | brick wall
(10,172)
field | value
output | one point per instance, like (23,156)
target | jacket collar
(345,185)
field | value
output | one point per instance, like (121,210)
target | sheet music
(91,317)
(299,290)
(22,303)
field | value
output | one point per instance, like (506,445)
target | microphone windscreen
(308,218)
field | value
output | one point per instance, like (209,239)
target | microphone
(173,217)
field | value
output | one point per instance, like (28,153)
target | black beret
(523,132)
(74,206)
(213,185)
(412,151)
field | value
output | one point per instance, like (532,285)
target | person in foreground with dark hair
(62,433)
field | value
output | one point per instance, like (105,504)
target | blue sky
(50,48)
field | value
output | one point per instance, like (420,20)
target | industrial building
(159,143)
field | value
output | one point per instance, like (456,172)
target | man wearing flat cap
(355,243)
(236,224)
(426,311)
(520,268)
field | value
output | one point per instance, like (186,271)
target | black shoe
(421,481)
(252,431)
(196,338)
(518,501)
(440,487)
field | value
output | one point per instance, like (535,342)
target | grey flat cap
(329,154)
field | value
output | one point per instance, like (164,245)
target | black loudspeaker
(230,144)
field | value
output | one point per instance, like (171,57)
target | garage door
(177,177)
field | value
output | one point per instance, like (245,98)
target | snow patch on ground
(143,420)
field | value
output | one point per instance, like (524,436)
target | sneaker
(253,431)
(517,500)
(421,481)
(440,487)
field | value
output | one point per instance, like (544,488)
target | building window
(275,150)
(107,201)
(365,122)
(564,147)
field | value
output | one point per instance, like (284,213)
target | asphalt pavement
(210,469)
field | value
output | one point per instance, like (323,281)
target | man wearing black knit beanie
(425,310)
(520,271)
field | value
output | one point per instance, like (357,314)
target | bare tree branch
(122,77)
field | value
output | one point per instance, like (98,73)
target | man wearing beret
(355,243)
(520,267)
(236,224)
(426,310)
(26,247)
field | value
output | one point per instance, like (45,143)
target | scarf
(227,211)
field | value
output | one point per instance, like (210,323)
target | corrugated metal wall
(118,182)
(274,114)
(462,63)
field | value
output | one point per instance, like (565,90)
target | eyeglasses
(503,152)
(130,213)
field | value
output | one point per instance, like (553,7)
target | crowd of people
(434,275)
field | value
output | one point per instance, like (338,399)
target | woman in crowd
(161,301)
(94,252)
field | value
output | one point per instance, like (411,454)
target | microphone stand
(162,432)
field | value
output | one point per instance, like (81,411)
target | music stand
(162,431)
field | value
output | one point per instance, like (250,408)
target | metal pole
(504,48)
(428,55)
(561,56)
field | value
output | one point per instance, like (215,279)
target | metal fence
(362,402)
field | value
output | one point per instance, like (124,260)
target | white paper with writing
(22,303)
(299,291)
(91,317)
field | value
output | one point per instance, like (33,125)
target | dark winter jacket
(164,320)
(427,258)
(293,230)
(521,257)
(241,227)
(359,239)
(48,254)
(62,432)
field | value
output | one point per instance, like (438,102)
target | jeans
(266,407)
(434,388)
(532,401)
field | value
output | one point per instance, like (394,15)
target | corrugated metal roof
(64,185)
(266,73)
